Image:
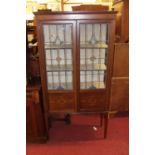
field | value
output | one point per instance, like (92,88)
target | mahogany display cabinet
(76,57)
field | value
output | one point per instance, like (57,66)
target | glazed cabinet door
(94,59)
(59,54)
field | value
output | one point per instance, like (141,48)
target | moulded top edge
(73,12)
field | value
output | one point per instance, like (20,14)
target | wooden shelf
(64,86)
(97,45)
(95,67)
(55,46)
(92,85)
(53,68)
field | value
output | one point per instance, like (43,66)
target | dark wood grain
(122,20)
(90,7)
(35,126)
(119,100)
(121,60)
(119,94)
(92,101)
(61,102)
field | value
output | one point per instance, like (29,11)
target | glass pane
(93,35)
(59,80)
(58,54)
(57,35)
(69,79)
(93,55)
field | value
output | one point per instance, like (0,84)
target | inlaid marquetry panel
(61,101)
(92,101)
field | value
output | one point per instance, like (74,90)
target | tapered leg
(101,119)
(67,119)
(47,124)
(105,125)
(50,121)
